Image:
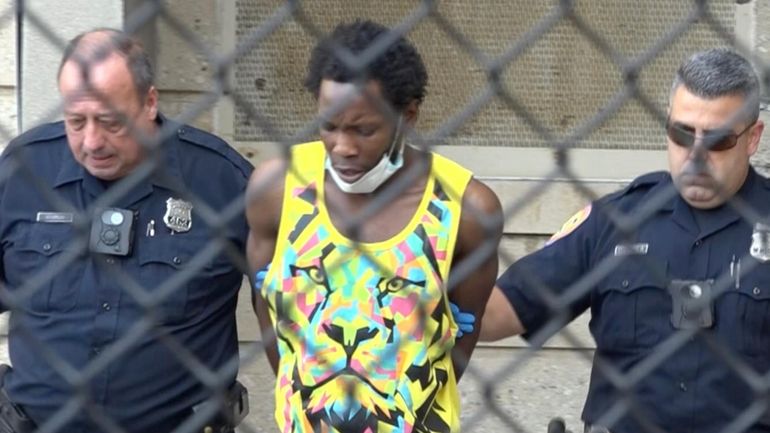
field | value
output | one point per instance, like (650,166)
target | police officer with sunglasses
(675,269)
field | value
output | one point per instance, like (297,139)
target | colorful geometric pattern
(364,332)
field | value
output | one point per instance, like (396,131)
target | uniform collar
(166,175)
(713,220)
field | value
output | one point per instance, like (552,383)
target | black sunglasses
(715,140)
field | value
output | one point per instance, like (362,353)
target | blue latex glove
(465,321)
(259,277)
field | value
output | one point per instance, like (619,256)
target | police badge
(760,242)
(178,215)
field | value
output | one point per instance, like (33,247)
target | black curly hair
(399,69)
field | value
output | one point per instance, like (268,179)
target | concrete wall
(184,73)
(755,20)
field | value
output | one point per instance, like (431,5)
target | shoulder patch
(571,224)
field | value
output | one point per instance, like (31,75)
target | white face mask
(372,179)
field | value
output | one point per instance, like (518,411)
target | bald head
(92,48)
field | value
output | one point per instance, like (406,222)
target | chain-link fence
(97,327)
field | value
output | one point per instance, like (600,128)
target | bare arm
(264,197)
(517,304)
(474,268)
(500,319)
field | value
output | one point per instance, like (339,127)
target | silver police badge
(178,215)
(760,242)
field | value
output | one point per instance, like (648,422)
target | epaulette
(45,132)
(648,180)
(643,182)
(202,138)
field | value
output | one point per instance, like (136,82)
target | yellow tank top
(364,329)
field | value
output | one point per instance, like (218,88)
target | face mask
(375,177)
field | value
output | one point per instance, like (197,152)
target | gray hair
(720,72)
(96,45)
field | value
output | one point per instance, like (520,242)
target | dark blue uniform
(84,317)
(624,280)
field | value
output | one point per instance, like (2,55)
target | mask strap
(391,151)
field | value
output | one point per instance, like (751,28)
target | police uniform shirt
(624,281)
(77,312)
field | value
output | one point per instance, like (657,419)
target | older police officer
(693,274)
(107,260)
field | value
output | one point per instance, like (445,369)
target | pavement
(526,389)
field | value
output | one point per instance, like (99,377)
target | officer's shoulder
(39,134)
(764,180)
(205,140)
(638,187)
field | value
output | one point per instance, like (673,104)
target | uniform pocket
(743,314)
(48,261)
(170,270)
(633,309)
(160,276)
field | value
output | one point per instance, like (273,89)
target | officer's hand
(259,277)
(465,321)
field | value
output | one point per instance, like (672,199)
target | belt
(228,416)
(12,417)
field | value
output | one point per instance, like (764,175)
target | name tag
(54,217)
(631,249)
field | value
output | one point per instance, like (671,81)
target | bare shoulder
(264,194)
(266,180)
(482,217)
(267,171)
(480,199)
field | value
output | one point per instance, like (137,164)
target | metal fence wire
(558,75)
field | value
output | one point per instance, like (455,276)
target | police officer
(674,268)
(117,228)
